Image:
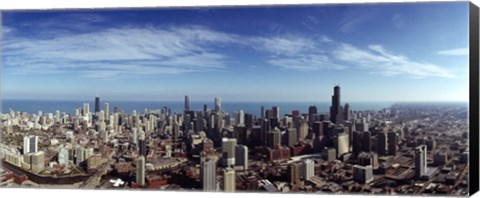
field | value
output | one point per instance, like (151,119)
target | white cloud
(308,62)
(455,52)
(398,20)
(286,46)
(120,50)
(378,60)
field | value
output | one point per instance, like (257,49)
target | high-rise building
(346,112)
(79,155)
(336,109)
(228,151)
(218,104)
(420,161)
(356,142)
(97,105)
(262,112)
(241,156)
(229,180)
(292,135)
(276,112)
(392,143)
(312,112)
(309,169)
(38,162)
(30,144)
(363,174)
(187,103)
(208,175)
(274,138)
(107,111)
(367,141)
(382,143)
(63,156)
(294,173)
(140,171)
(342,144)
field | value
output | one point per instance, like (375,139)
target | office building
(140,171)
(274,138)
(382,143)
(342,144)
(38,161)
(276,112)
(229,180)
(228,151)
(292,135)
(187,103)
(106,111)
(309,169)
(218,104)
(392,143)
(336,109)
(30,144)
(363,174)
(97,105)
(346,112)
(293,171)
(367,141)
(420,161)
(63,156)
(208,175)
(241,156)
(79,155)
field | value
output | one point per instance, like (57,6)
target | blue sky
(376,52)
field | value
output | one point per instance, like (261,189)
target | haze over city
(384,52)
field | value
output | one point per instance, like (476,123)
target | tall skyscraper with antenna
(336,109)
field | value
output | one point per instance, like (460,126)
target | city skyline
(380,52)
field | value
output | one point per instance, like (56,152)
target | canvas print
(348,98)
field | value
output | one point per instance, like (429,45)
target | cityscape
(329,99)
(408,148)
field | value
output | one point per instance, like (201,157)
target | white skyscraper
(309,168)
(30,144)
(229,180)
(107,111)
(209,176)
(63,156)
(420,161)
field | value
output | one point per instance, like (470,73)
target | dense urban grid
(413,148)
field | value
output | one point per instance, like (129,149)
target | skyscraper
(392,143)
(97,104)
(367,141)
(346,112)
(30,144)
(342,144)
(292,135)
(187,103)
(107,111)
(228,151)
(420,161)
(276,112)
(241,156)
(229,180)
(309,169)
(63,156)
(218,104)
(336,108)
(208,175)
(382,143)
(141,170)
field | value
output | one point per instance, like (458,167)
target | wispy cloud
(352,19)
(454,52)
(377,59)
(122,51)
(308,62)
